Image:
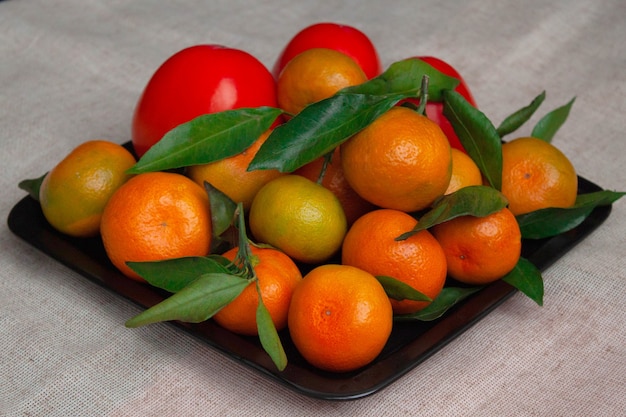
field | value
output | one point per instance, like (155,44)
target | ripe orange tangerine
(400,161)
(340,318)
(536,175)
(418,261)
(314,75)
(278,277)
(230,175)
(480,250)
(156,216)
(465,172)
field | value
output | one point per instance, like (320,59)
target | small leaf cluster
(202,286)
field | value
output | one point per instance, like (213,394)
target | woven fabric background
(72,70)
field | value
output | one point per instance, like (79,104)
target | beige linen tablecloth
(72,70)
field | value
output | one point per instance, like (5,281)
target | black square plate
(410,343)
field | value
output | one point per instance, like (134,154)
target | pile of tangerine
(340,214)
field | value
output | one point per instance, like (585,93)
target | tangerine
(278,276)
(353,204)
(300,217)
(418,261)
(341,37)
(230,175)
(465,172)
(537,175)
(340,318)
(400,161)
(73,194)
(314,75)
(480,250)
(156,216)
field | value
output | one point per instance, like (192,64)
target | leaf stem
(421,109)
(244,258)
(327,158)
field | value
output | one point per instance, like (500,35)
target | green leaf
(550,222)
(222,215)
(318,129)
(398,290)
(268,335)
(196,302)
(517,119)
(222,209)
(207,138)
(476,200)
(477,135)
(526,278)
(173,275)
(446,299)
(32,186)
(547,127)
(405,77)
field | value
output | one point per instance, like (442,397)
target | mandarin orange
(353,204)
(299,217)
(536,175)
(340,318)
(401,161)
(156,216)
(278,277)
(230,175)
(418,261)
(465,172)
(73,194)
(480,250)
(314,75)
